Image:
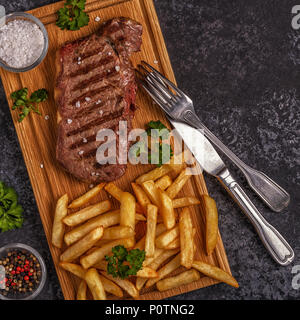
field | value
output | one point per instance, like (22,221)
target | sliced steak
(95,89)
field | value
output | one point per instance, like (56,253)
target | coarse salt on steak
(95,90)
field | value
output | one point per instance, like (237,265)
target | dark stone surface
(239,62)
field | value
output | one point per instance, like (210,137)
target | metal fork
(180,107)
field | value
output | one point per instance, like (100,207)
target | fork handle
(268,190)
(274,242)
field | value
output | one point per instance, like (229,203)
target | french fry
(174,244)
(80,247)
(139,217)
(215,273)
(177,163)
(151,191)
(178,280)
(126,285)
(149,260)
(186,238)
(141,196)
(87,213)
(100,253)
(111,287)
(113,190)
(117,232)
(185,202)
(101,242)
(165,270)
(164,182)
(179,182)
(211,217)
(92,249)
(73,268)
(167,237)
(106,220)
(160,228)
(165,255)
(151,229)
(94,282)
(127,211)
(81,292)
(101,265)
(84,199)
(167,210)
(147,272)
(58,227)
(154,174)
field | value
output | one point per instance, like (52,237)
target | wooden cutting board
(37,136)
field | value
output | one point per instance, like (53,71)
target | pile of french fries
(168,241)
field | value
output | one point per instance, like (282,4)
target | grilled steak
(95,89)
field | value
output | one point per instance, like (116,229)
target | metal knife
(211,163)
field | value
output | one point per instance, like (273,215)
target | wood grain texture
(37,136)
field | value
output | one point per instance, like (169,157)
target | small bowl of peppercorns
(22,272)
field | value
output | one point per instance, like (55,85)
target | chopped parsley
(161,152)
(123,263)
(24,104)
(72,15)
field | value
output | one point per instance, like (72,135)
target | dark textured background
(239,61)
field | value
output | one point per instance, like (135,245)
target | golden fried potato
(83,245)
(151,229)
(81,292)
(178,280)
(58,228)
(165,270)
(167,237)
(211,217)
(215,273)
(167,210)
(186,238)
(185,202)
(73,268)
(99,254)
(87,213)
(84,199)
(106,220)
(94,282)
(126,285)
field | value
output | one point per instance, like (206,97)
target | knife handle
(277,246)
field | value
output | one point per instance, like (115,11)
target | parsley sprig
(123,263)
(10,211)
(72,15)
(24,104)
(161,152)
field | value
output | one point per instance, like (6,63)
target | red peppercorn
(17,272)
(26,262)
(26,278)
(13,272)
(29,273)
(22,270)
(18,268)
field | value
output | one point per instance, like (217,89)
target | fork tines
(158,86)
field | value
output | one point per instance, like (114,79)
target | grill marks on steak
(97,90)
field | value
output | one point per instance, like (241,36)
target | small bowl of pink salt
(23,42)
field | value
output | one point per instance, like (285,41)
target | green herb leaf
(123,264)
(25,105)
(72,15)
(10,211)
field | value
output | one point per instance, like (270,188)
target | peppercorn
(22,273)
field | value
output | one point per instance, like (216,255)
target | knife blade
(210,161)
